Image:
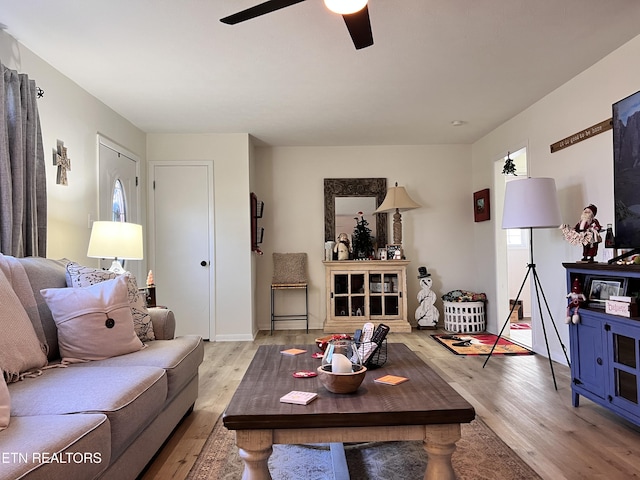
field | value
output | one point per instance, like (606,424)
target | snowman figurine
(426,314)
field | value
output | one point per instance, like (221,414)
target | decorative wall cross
(63,163)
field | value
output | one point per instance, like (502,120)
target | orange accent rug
(479,344)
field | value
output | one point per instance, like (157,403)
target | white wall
(583,172)
(439,235)
(69,113)
(233,262)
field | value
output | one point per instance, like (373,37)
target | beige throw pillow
(5,404)
(20,349)
(81,276)
(93,322)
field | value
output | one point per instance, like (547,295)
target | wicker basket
(464,317)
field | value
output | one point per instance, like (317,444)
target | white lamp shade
(345,7)
(531,203)
(116,240)
(397,197)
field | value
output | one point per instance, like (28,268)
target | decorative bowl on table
(341,382)
(342,370)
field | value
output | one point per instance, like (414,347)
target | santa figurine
(585,233)
(576,297)
(426,314)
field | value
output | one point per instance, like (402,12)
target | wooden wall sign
(582,135)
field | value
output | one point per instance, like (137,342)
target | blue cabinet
(605,349)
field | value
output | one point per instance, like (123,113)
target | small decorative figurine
(585,233)
(342,247)
(426,314)
(150,291)
(576,297)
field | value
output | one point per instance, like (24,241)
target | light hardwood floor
(514,395)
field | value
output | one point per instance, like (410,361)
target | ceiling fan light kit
(354,12)
(345,7)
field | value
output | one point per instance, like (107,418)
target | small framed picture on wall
(481,206)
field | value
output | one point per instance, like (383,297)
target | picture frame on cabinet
(391,251)
(600,288)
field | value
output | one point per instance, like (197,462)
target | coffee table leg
(255,447)
(440,443)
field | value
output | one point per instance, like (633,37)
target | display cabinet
(366,291)
(605,349)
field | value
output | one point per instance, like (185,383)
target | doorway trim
(500,235)
(102,141)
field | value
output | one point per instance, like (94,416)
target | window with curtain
(23,189)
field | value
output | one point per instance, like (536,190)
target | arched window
(118,202)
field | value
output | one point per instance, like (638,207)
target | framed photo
(481,207)
(599,289)
(391,251)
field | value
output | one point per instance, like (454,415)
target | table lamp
(398,200)
(117,240)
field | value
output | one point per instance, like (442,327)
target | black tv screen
(626,171)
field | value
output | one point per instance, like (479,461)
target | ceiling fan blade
(258,10)
(359,27)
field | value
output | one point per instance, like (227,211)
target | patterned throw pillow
(93,322)
(81,276)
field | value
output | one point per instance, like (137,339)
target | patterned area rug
(520,326)
(479,344)
(480,455)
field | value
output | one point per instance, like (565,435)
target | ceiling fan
(354,12)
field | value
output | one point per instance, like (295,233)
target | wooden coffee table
(424,408)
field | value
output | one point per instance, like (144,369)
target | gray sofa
(101,419)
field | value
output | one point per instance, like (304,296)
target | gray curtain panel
(23,189)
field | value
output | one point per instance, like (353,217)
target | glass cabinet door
(384,296)
(625,370)
(349,295)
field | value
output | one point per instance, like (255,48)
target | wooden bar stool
(289,273)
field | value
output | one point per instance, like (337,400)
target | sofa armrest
(164,323)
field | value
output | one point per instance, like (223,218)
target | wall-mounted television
(626,173)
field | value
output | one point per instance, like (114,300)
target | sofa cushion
(46,273)
(48,446)
(93,322)
(20,349)
(81,276)
(5,404)
(179,357)
(131,397)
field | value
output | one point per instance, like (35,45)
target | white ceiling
(293,77)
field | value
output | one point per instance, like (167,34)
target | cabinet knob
(599,361)
(203,263)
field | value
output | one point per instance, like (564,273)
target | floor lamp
(532,203)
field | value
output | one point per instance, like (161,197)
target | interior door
(118,193)
(182,220)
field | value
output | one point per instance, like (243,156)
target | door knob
(203,263)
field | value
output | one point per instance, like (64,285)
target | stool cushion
(289,268)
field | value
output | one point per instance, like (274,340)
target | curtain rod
(39,92)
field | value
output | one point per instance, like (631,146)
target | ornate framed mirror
(354,187)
